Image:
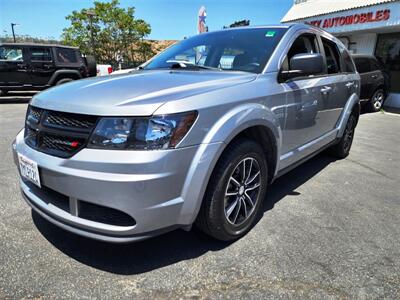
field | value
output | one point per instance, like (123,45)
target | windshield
(247,49)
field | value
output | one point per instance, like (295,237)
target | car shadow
(172,247)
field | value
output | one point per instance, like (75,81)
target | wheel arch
(253,121)
(61,74)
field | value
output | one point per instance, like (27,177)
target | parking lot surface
(329,229)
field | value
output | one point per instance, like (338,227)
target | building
(364,26)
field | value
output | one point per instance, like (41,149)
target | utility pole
(12,28)
(90,13)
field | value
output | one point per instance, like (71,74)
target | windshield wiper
(182,64)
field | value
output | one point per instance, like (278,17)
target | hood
(135,94)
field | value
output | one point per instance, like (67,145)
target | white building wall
(364,43)
(360,43)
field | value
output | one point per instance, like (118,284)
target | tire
(64,80)
(376,102)
(342,148)
(218,211)
(91,65)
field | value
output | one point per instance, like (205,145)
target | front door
(304,101)
(41,65)
(13,66)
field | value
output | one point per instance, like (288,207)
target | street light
(90,13)
(12,28)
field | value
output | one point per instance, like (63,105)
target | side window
(332,56)
(65,55)
(375,65)
(305,43)
(362,64)
(347,62)
(10,54)
(40,54)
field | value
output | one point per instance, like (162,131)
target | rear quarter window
(65,55)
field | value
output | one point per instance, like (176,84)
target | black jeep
(29,66)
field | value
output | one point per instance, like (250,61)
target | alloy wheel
(242,191)
(348,134)
(378,100)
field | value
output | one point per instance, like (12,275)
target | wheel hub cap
(241,190)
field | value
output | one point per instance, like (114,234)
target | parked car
(374,81)
(103,70)
(182,140)
(27,66)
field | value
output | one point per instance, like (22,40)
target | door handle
(349,84)
(326,89)
(22,66)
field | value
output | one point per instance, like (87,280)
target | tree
(116,32)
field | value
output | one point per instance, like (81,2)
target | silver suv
(194,136)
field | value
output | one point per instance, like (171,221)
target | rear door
(13,66)
(41,65)
(336,86)
(377,76)
(367,76)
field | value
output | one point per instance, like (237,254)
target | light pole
(12,28)
(90,13)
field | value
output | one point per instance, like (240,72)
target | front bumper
(159,190)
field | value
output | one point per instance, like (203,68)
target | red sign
(369,17)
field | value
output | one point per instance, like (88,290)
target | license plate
(29,169)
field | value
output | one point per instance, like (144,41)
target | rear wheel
(377,99)
(342,148)
(235,192)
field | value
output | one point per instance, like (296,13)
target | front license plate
(29,169)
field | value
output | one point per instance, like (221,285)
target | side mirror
(305,64)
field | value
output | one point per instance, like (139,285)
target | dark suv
(39,66)
(374,81)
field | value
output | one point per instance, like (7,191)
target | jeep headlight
(141,133)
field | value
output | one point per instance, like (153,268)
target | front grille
(57,133)
(72,121)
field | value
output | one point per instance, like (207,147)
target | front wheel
(235,192)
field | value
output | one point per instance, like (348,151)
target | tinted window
(347,62)
(245,49)
(65,55)
(375,65)
(362,64)
(10,54)
(40,54)
(332,56)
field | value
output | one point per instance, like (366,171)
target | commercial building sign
(368,17)
(363,18)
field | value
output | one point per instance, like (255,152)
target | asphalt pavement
(330,229)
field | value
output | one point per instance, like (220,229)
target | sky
(169,19)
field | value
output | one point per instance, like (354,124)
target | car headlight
(141,133)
